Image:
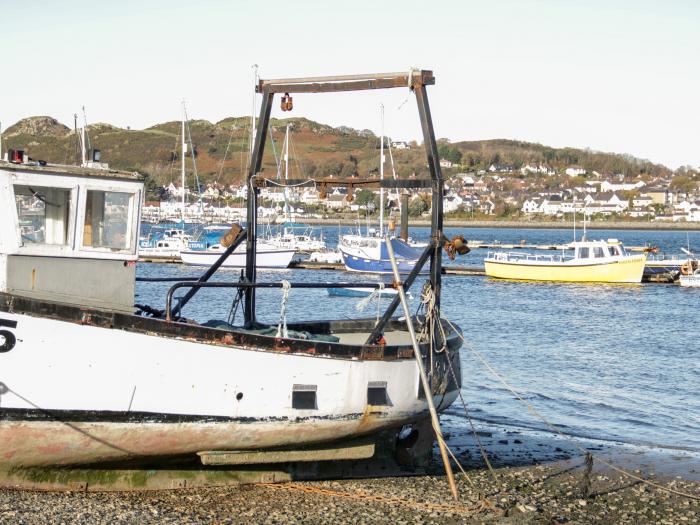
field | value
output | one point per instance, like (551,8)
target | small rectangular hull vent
(376,393)
(304,397)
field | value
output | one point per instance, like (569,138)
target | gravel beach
(553,493)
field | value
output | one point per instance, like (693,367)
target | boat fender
(686,268)
(230,236)
(457,245)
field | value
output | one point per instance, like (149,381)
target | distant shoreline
(533,225)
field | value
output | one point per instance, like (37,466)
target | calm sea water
(619,363)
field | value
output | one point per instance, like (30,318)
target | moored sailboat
(369,253)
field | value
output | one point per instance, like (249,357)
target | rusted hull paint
(49,443)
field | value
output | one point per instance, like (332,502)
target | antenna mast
(183,154)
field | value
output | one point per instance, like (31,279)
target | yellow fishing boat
(592,261)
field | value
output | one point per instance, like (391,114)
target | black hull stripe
(109,416)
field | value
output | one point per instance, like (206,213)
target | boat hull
(378,266)
(72,393)
(276,259)
(689,281)
(627,270)
(360,292)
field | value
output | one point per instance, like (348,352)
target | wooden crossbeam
(410,79)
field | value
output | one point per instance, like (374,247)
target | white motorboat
(268,256)
(296,237)
(168,245)
(690,272)
(326,256)
(690,281)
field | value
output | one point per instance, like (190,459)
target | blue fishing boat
(370,254)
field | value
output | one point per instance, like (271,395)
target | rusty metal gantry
(415,80)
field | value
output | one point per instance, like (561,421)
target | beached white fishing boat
(87,377)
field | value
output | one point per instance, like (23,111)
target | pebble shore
(541,494)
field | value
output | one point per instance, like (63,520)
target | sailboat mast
(82,146)
(286,174)
(183,154)
(381,176)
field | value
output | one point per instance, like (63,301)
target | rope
(429,303)
(556,430)
(223,160)
(376,294)
(282,325)
(284,185)
(360,495)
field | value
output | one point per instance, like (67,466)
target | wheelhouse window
(43,214)
(107,223)
(598,252)
(583,252)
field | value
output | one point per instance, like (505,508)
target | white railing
(525,257)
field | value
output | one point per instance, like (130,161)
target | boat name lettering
(7,338)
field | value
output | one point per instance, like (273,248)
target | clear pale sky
(607,75)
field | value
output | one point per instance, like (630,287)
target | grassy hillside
(317,150)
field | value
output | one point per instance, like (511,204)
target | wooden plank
(263,457)
(329,84)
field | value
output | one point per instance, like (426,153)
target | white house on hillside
(530,206)
(622,186)
(451,203)
(575,171)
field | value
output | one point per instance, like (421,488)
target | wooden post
(404,216)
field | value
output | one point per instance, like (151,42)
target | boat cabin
(69,234)
(598,249)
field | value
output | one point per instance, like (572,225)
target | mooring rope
(428,301)
(556,430)
(282,325)
(376,293)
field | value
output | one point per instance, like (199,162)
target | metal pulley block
(286,103)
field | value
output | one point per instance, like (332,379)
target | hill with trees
(317,150)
